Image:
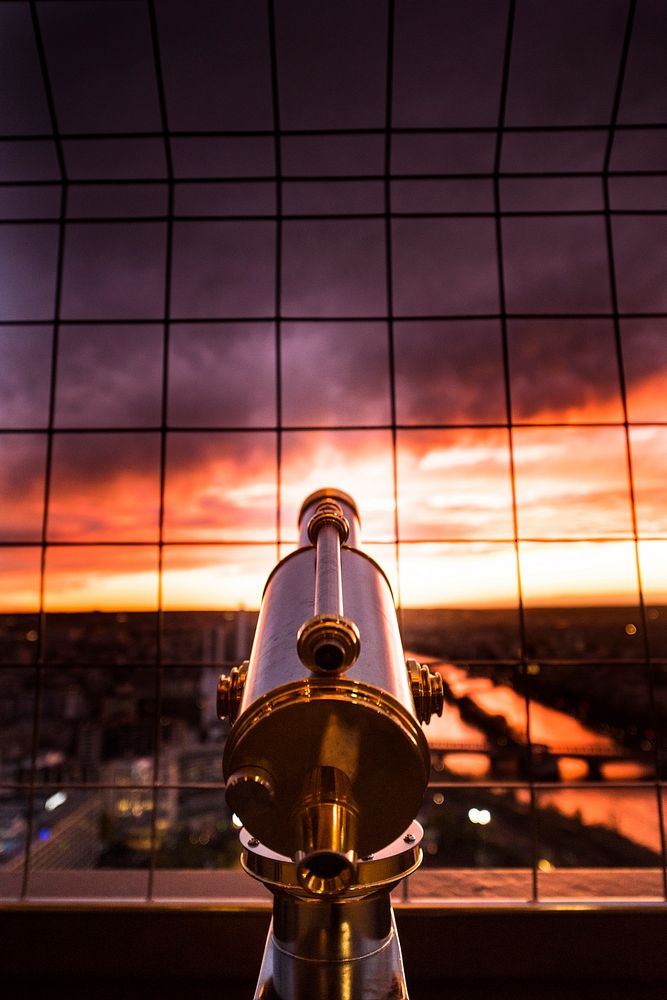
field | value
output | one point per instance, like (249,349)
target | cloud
(649,466)
(449,372)
(454,484)
(222,375)
(335,373)
(114,270)
(22,467)
(109,376)
(459,457)
(220,486)
(25,368)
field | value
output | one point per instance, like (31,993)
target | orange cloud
(101,578)
(453,485)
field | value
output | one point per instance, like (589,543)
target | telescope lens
(328,643)
(325,873)
(328,656)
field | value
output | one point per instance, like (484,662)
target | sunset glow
(454,502)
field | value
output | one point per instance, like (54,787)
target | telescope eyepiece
(329,656)
(326,873)
(328,644)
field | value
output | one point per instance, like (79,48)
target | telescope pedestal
(378,975)
(334,947)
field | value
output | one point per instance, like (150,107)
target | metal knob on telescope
(427,690)
(230,692)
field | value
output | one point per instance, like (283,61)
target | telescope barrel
(326,707)
(328,641)
(328,579)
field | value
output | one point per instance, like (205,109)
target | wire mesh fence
(249,253)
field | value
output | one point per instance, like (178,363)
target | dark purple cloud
(444,266)
(556,265)
(223,269)
(222,375)
(114,271)
(447,153)
(564,370)
(565,60)
(100,64)
(27,271)
(450,373)
(642,100)
(109,159)
(23,108)
(216,64)
(109,376)
(448,62)
(22,466)
(334,268)
(332,155)
(25,370)
(331,64)
(231,156)
(640,255)
(335,373)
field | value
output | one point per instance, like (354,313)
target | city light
(55,800)
(479,816)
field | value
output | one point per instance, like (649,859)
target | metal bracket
(230,692)
(427,690)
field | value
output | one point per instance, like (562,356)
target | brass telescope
(326,763)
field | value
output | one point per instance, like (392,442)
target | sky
(410,417)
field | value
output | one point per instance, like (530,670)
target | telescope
(326,763)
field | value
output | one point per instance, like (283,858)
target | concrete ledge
(470,944)
(428,885)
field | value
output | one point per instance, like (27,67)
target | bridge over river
(484,730)
(483,736)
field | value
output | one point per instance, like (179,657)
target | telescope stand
(333,947)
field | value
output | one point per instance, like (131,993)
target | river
(632,812)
